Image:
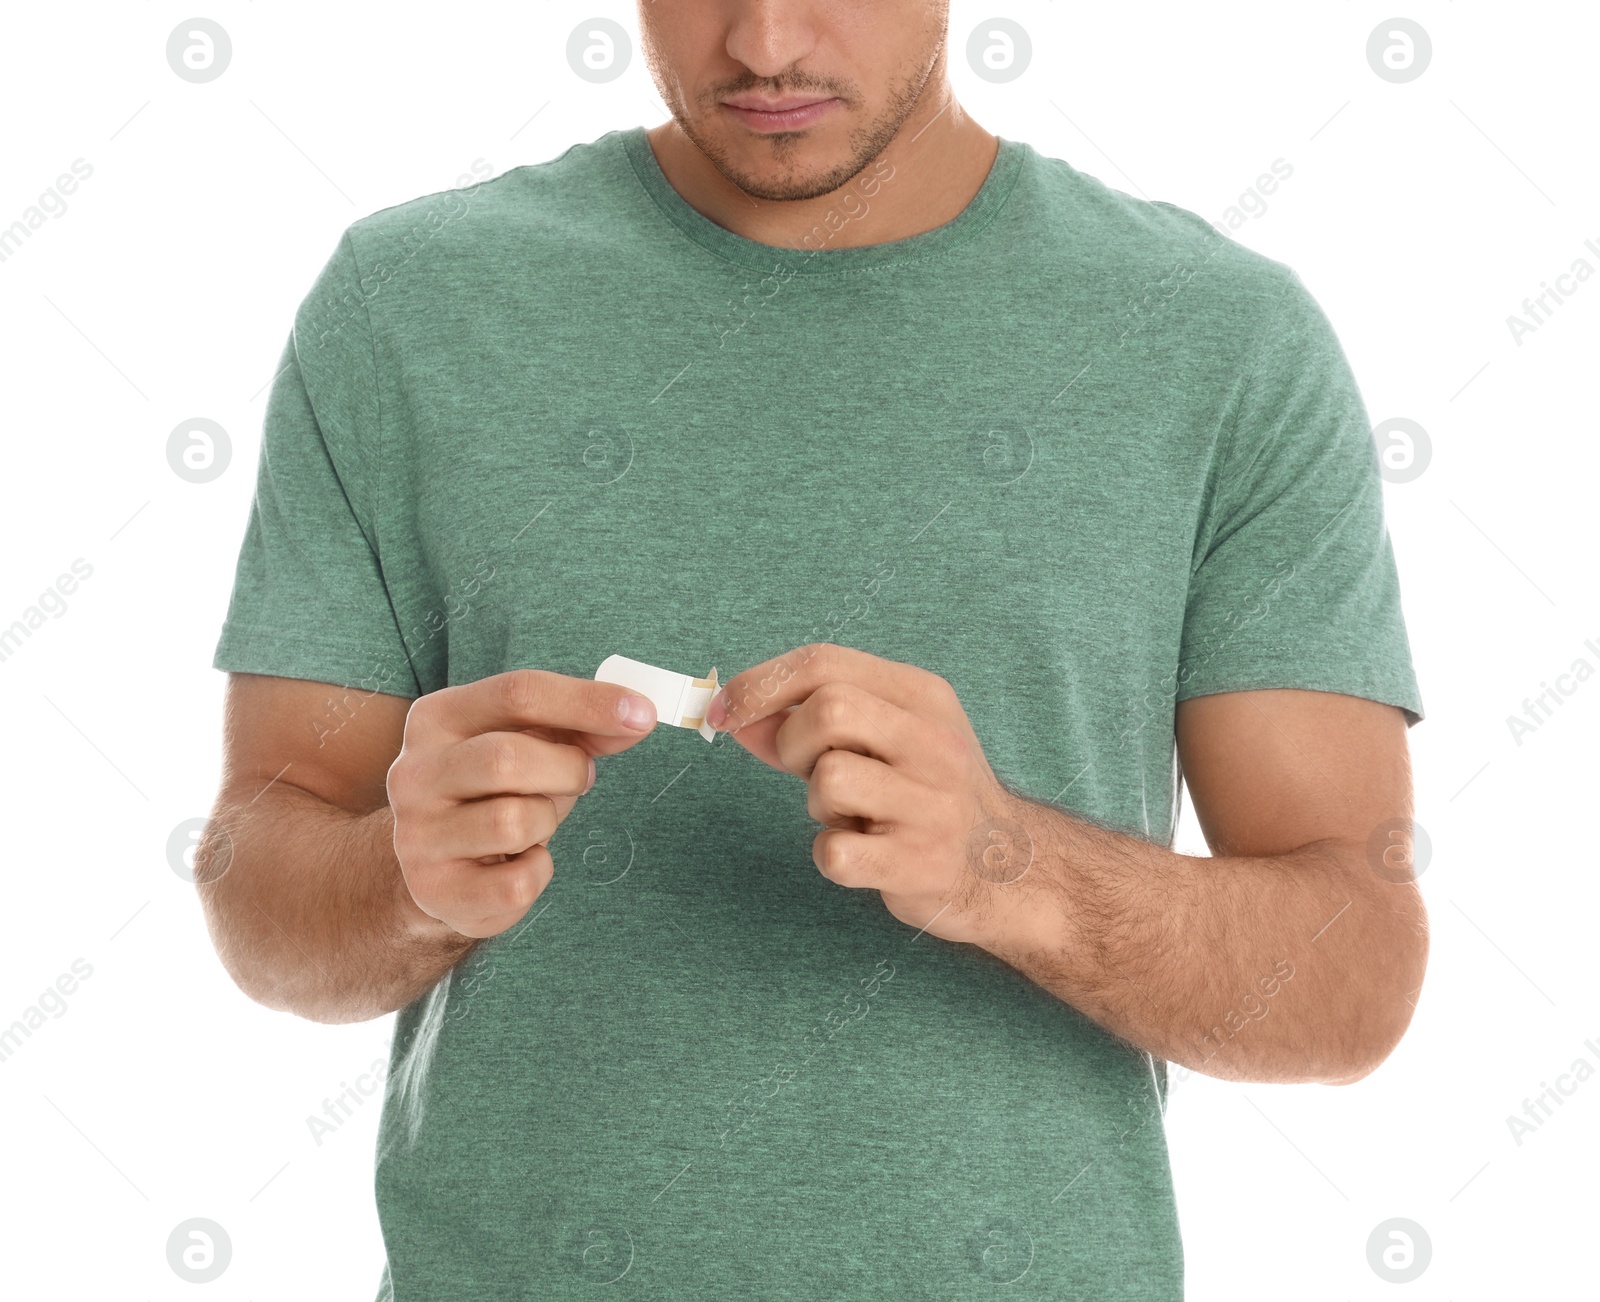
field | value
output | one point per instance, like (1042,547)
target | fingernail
(637,712)
(590,782)
(717,711)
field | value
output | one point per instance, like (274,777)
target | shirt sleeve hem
(1400,695)
(273,653)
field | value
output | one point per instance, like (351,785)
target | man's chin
(786,168)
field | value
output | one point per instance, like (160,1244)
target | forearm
(309,912)
(1295,967)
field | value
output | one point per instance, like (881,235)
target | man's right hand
(486,773)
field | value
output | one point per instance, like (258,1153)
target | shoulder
(1141,250)
(536,211)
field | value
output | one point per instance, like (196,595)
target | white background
(1420,215)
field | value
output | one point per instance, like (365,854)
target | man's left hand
(896,773)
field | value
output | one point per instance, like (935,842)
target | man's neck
(940,159)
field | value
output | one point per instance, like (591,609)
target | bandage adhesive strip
(679,699)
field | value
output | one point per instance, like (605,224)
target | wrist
(412,926)
(1028,922)
(415,925)
(1036,920)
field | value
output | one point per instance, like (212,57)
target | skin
(348,865)
(1181,955)
(884,61)
(344,872)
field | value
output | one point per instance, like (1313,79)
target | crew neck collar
(979,212)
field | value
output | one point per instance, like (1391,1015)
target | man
(1006,493)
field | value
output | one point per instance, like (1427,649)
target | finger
(507,763)
(761,738)
(858,860)
(532,698)
(788,679)
(508,825)
(842,716)
(862,794)
(486,899)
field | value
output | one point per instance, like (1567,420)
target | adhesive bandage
(679,699)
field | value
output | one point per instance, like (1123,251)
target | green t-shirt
(1077,453)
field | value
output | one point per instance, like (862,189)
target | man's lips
(793,113)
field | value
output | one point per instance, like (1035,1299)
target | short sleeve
(309,598)
(1294,583)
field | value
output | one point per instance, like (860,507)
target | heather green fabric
(1076,452)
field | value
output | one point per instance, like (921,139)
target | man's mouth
(769,114)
